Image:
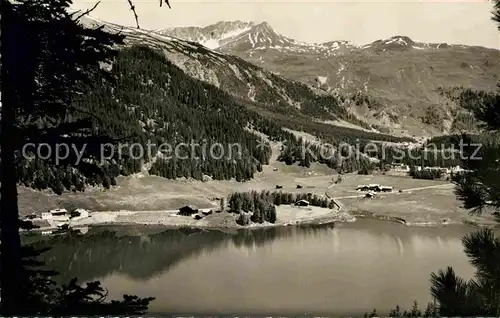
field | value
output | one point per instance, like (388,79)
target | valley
(165,77)
(151,200)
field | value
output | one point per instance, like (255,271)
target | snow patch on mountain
(251,92)
(212,36)
(398,40)
(214,43)
(236,71)
(322,80)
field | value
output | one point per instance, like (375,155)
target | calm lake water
(346,269)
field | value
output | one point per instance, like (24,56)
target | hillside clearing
(154,200)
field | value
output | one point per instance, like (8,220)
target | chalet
(399,167)
(443,170)
(302,203)
(188,210)
(63,227)
(458,170)
(385,189)
(370,194)
(371,187)
(80,214)
(58,215)
(206,211)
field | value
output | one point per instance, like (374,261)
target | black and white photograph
(254,158)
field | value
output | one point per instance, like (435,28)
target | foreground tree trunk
(10,277)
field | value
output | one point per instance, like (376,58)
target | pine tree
(272,215)
(48,57)
(477,189)
(278,199)
(222,204)
(331,204)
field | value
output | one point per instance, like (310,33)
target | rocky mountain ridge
(247,36)
(212,36)
(241,79)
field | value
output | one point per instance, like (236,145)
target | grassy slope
(403,82)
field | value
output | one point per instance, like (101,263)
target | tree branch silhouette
(136,17)
(132,7)
(86,11)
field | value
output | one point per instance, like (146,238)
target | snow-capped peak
(400,40)
(212,36)
(236,37)
(397,42)
(264,27)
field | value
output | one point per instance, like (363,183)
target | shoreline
(196,224)
(153,201)
(127,218)
(395,219)
(288,215)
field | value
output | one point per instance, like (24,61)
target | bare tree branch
(166,1)
(104,295)
(132,7)
(86,11)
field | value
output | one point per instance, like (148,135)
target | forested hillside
(157,103)
(476,103)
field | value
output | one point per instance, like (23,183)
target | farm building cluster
(63,216)
(400,167)
(60,219)
(373,189)
(193,211)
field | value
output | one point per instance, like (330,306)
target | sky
(455,22)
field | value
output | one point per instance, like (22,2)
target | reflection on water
(346,269)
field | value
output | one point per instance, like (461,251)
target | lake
(345,269)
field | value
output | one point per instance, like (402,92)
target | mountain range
(172,91)
(396,82)
(251,91)
(234,36)
(246,82)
